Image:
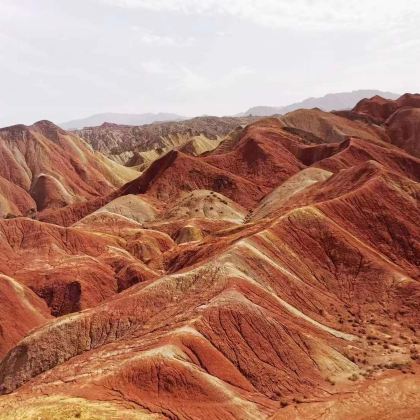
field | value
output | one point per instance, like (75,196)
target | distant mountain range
(117,118)
(330,102)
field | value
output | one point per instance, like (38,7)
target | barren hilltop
(232,268)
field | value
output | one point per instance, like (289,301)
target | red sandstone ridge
(22,310)
(54,167)
(275,276)
(411,100)
(380,109)
(86,263)
(14,200)
(331,128)
(404,129)
(377,108)
(255,159)
(259,156)
(400,118)
(177,172)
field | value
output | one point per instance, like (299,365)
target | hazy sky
(64,59)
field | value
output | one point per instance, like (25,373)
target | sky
(66,59)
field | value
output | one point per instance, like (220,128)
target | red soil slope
(177,172)
(75,268)
(331,128)
(259,156)
(56,168)
(179,295)
(14,200)
(409,99)
(404,129)
(400,118)
(377,108)
(22,310)
(244,337)
(257,159)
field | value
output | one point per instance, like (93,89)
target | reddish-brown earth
(376,108)
(53,167)
(276,276)
(404,129)
(400,119)
(329,127)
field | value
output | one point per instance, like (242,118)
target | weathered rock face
(131,144)
(329,127)
(53,167)
(15,201)
(21,311)
(273,277)
(376,108)
(411,100)
(400,118)
(404,129)
(75,268)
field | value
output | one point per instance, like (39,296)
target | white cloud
(17,46)
(166,41)
(155,67)
(185,79)
(195,56)
(9,10)
(159,40)
(188,80)
(307,14)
